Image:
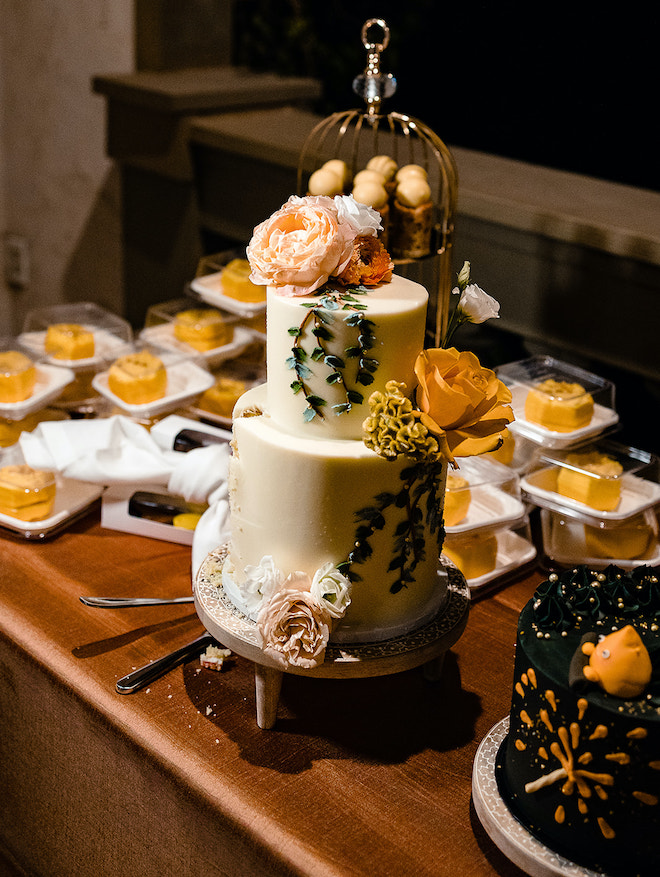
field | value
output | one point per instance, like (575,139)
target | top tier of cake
(329,351)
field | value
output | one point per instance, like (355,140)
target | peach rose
(295,628)
(300,246)
(463,404)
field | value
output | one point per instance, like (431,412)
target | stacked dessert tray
(425,645)
(598,499)
(488,535)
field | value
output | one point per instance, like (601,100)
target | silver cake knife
(155,669)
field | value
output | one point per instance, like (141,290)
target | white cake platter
(185,381)
(72,499)
(50,382)
(426,645)
(162,335)
(509,835)
(208,288)
(107,347)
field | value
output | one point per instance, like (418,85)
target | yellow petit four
(474,555)
(457,500)
(235,282)
(202,328)
(222,396)
(17,376)
(25,493)
(560,406)
(137,378)
(69,341)
(625,541)
(592,478)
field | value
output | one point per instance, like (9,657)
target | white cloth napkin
(115,450)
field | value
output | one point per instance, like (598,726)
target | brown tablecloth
(358,777)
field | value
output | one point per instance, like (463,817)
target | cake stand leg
(268,683)
(433,669)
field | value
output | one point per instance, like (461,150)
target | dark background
(572,86)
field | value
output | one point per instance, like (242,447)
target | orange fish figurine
(619,663)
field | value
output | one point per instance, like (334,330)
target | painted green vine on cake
(320,317)
(422,485)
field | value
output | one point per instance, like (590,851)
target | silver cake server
(120,602)
(155,669)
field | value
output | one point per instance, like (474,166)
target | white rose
(333,589)
(365,220)
(477,306)
(260,583)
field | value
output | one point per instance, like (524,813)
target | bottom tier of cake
(309,502)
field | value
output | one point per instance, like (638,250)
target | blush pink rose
(300,246)
(295,628)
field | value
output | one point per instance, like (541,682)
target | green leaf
(296,386)
(334,361)
(295,331)
(355,397)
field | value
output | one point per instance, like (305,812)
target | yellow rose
(462,403)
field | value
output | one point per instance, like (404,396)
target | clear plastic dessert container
(481,495)
(79,335)
(223,281)
(602,479)
(490,558)
(231,380)
(191,327)
(557,404)
(570,540)
(150,381)
(28,381)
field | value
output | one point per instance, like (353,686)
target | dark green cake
(580,767)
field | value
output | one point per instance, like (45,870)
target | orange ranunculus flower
(369,264)
(463,404)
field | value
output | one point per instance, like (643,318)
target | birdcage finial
(372,85)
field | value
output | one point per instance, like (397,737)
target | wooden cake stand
(426,645)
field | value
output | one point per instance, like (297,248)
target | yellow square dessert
(222,396)
(235,282)
(623,542)
(137,378)
(560,406)
(457,500)
(25,493)
(474,555)
(202,328)
(596,484)
(69,341)
(17,376)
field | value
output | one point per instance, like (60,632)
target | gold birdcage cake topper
(399,166)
